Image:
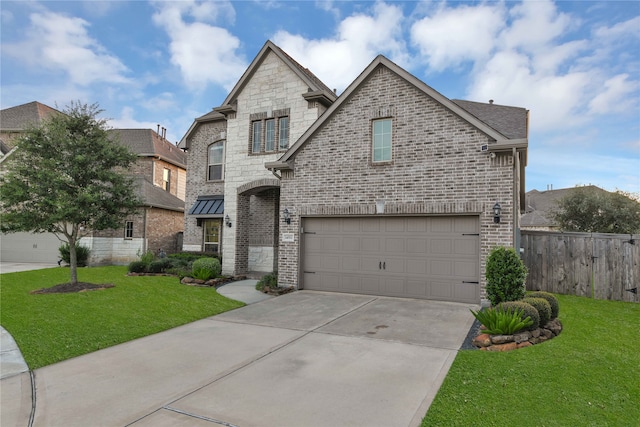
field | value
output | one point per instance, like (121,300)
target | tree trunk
(73,260)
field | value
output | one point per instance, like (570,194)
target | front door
(211,238)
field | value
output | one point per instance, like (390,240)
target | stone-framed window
(269,132)
(381,140)
(215,162)
(128,230)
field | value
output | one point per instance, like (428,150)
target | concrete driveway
(302,359)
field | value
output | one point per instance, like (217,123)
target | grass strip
(50,328)
(587,376)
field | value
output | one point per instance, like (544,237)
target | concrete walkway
(301,359)
(243,290)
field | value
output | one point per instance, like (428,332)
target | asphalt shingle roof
(540,205)
(146,142)
(21,116)
(154,196)
(509,121)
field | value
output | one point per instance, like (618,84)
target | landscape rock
(522,339)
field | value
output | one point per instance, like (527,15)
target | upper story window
(269,132)
(215,163)
(166,179)
(381,145)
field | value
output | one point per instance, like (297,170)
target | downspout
(516,203)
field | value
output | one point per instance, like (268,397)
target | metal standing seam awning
(208,207)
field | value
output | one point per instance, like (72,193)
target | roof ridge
(305,70)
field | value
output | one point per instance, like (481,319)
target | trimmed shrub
(551,299)
(206,268)
(498,321)
(82,254)
(192,256)
(506,274)
(156,266)
(528,310)
(543,307)
(137,267)
(270,280)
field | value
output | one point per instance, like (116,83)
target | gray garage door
(416,257)
(29,247)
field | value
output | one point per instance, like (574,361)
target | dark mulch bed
(65,288)
(474,331)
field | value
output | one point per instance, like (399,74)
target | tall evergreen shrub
(505,274)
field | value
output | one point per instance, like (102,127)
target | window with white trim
(215,162)
(381,144)
(166,179)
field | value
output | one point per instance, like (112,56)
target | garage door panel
(462,247)
(416,257)
(441,267)
(440,246)
(351,244)
(395,225)
(416,266)
(441,290)
(466,225)
(394,245)
(351,263)
(441,225)
(417,246)
(370,244)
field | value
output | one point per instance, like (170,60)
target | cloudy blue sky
(574,64)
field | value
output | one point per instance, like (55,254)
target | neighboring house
(232,200)
(387,190)
(24,247)
(160,182)
(541,204)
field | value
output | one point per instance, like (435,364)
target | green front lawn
(587,376)
(53,327)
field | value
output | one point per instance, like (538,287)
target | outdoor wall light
(496,212)
(286,216)
(227,221)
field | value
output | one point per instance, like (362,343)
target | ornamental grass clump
(505,274)
(543,307)
(206,268)
(499,321)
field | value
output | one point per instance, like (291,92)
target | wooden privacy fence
(594,265)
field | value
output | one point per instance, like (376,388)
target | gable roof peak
(312,81)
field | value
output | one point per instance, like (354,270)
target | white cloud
(61,43)
(616,96)
(204,53)
(627,28)
(452,36)
(359,38)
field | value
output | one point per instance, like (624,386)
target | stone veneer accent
(273,86)
(437,168)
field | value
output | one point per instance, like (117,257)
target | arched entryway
(256,245)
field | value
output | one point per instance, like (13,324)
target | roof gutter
(278,165)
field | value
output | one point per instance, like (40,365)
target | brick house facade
(160,182)
(418,223)
(388,189)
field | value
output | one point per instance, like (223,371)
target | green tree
(67,177)
(588,210)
